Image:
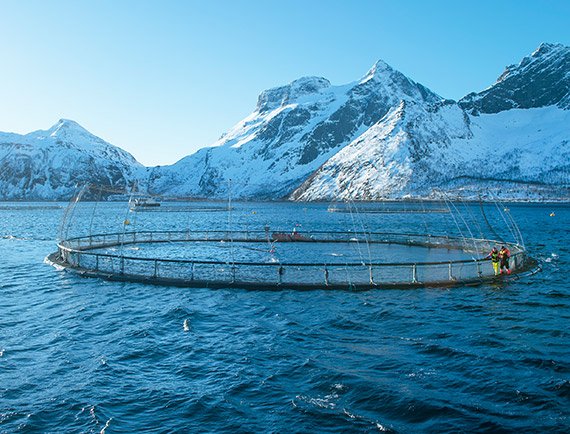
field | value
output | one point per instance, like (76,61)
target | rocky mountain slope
(421,152)
(539,80)
(51,164)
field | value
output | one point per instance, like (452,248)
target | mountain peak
(273,98)
(377,70)
(540,79)
(547,47)
(65,126)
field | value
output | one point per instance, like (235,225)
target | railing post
(371,275)
(155,268)
(280,272)
(479,271)
(192,271)
(450,271)
(326,276)
(414,274)
(122,265)
(96,262)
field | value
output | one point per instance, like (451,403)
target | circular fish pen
(157,251)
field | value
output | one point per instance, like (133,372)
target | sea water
(87,355)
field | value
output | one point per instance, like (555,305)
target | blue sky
(164,78)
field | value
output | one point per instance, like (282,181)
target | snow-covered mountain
(419,151)
(539,80)
(511,140)
(383,136)
(51,164)
(292,132)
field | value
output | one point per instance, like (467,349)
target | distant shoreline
(174,200)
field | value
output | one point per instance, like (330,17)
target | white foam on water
(106,425)
(53,264)
(14,237)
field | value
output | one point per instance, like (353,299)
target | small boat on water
(143,203)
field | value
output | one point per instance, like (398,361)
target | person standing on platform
(504,255)
(494,257)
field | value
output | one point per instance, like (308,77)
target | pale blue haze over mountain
(163,79)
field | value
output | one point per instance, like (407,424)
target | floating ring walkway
(119,256)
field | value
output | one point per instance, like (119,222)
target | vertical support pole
(155,268)
(414,273)
(96,262)
(450,271)
(192,271)
(479,272)
(326,276)
(371,275)
(280,272)
(122,265)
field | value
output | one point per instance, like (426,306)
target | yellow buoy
(552,214)
(127,222)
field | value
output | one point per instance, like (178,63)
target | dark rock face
(281,129)
(368,102)
(540,80)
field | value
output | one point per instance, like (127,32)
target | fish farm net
(115,235)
